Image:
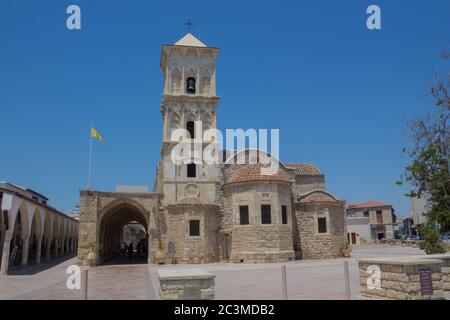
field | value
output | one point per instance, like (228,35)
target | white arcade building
(32,231)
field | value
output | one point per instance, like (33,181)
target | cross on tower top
(189,25)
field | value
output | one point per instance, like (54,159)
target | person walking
(130,251)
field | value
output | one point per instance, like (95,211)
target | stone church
(200,213)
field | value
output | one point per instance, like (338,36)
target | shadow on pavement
(125,260)
(36,268)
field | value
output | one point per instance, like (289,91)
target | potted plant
(92,255)
(160,256)
(347,249)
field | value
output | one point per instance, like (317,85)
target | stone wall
(305,184)
(445,268)
(257,242)
(316,245)
(399,278)
(193,249)
(96,205)
(262,243)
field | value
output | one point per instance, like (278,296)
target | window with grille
(243,215)
(194,228)
(322,225)
(284,216)
(265,214)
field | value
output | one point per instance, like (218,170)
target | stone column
(5,256)
(63,251)
(38,250)
(48,250)
(55,247)
(24,262)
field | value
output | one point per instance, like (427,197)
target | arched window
(191,170)
(190,85)
(190,127)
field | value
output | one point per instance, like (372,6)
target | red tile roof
(304,169)
(253,173)
(368,204)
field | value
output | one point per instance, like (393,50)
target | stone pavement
(26,281)
(307,279)
(105,282)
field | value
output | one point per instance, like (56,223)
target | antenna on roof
(189,25)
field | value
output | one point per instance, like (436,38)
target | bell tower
(189,102)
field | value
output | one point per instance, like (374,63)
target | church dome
(248,173)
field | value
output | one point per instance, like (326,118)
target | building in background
(405,225)
(133,233)
(419,206)
(369,221)
(31,230)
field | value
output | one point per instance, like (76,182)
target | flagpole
(90,157)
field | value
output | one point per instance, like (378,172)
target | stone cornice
(117,194)
(253,182)
(189,98)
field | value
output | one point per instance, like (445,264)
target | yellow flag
(95,134)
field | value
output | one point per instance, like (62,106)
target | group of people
(140,251)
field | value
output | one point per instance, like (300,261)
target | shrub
(431,242)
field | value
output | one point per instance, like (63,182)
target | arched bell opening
(190,85)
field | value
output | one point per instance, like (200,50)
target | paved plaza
(306,279)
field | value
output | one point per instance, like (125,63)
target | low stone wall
(398,242)
(186,284)
(401,278)
(445,269)
(404,243)
(262,257)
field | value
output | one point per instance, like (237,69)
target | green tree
(428,172)
(431,242)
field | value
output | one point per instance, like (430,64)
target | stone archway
(103,215)
(112,221)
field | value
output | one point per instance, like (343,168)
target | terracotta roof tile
(253,173)
(318,196)
(368,204)
(304,169)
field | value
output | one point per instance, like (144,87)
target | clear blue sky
(337,91)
